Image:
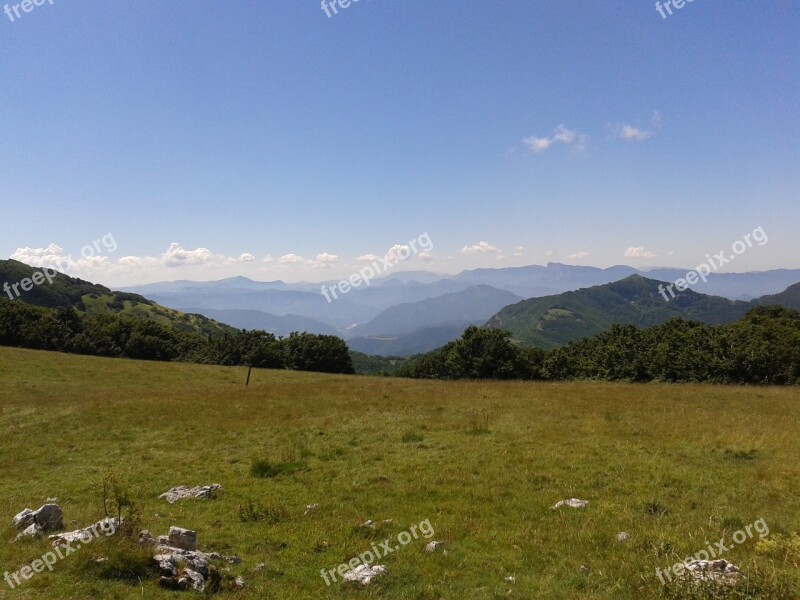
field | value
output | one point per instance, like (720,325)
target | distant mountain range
(415,311)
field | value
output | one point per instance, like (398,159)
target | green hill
(93,299)
(790,298)
(553,321)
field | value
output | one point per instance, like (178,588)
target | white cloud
(139,261)
(51,256)
(292,259)
(268,258)
(368,257)
(629,133)
(246,257)
(479,248)
(426,256)
(549,253)
(327,260)
(579,255)
(638,252)
(176,256)
(399,252)
(519,251)
(561,135)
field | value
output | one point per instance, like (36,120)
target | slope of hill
(790,298)
(618,445)
(90,299)
(555,320)
(476,303)
(407,344)
(282,325)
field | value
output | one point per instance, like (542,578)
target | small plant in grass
(412,437)
(119,504)
(781,547)
(265,469)
(654,509)
(254,511)
(741,455)
(121,559)
(478,423)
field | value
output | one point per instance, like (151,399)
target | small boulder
(433,546)
(50,517)
(718,571)
(34,531)
(180,492)
(23,519)
(572,503)
(185,539)
(364,574)
(166,564)
(192,580)
(623,537)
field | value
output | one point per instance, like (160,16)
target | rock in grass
(433,546)
(33,531)
(572,503)
(623,537)
(49,517)
(718,571)
(87,533)
(364,573)
(310,508)
(180,492)
(185,539)
(23,519)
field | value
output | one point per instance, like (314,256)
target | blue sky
(269,140)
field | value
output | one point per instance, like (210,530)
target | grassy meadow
(675,466)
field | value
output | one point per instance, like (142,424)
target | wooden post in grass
(249,368)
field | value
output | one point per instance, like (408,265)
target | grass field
(674,466)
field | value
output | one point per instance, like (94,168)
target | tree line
(762,348)
(64,329)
